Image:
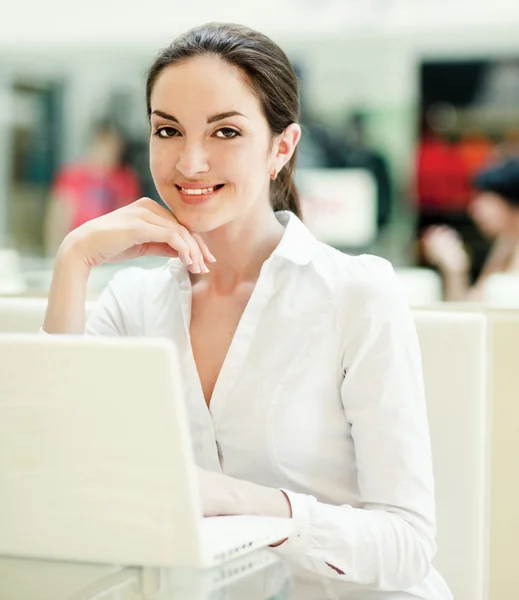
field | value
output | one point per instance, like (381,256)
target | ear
(284,147)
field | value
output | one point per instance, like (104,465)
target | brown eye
(227,133)
(167,132)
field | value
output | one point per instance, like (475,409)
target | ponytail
(284,194)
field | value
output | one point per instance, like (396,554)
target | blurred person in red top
(476,150)
(91,187)
(495,211)
(442,176)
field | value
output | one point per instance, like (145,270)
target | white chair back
(503,336)
(453,347)
(421,286)
(11,278)
(501,290)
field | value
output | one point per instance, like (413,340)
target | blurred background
(410,150)
(403,104)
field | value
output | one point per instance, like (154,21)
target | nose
(192,160)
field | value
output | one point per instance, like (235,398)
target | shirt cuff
(299,541)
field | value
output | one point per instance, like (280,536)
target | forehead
(489,197)
(203,85)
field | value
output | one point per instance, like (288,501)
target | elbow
(412,573)
(412,565)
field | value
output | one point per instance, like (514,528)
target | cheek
(490,219)
(244,164)
(162,164)
(483,213)
(496,216)
(477,213)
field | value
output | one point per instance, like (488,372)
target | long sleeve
(387,542)
(116,309)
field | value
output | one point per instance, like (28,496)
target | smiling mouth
(200,191)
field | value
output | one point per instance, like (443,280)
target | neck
(512,231)
(515,224)
(241,247)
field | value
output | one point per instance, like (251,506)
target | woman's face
(491,214)
(211,147)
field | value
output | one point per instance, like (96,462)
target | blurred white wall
(58,22)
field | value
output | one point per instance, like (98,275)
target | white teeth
(197,191)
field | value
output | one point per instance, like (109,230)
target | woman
(302,368)
(495,211)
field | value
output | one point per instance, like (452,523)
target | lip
(196,199)
(196,186)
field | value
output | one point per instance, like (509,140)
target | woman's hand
(224,495)
(443,248)
(215,493)
(143,228)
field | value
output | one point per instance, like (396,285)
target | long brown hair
(268,72)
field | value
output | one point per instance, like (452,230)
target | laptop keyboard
(229,537)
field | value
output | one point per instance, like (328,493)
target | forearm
(386,549)
(253,499)
(246,498)
(67,295)
(224,495)
(456,285)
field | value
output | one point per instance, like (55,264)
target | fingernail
(205,269)
(212,258)
(189,261)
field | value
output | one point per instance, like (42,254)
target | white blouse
(321,395)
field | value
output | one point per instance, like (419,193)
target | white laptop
(96,460)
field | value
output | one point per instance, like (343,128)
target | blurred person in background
(92,187)
(508,147)
(495,211)
(476,150)
(356,152)
(442,175)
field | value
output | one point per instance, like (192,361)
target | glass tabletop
(31,276)
(259,575)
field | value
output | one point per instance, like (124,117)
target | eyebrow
(211,119)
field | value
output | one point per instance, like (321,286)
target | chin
(489,233)
(204,217)
(199,221)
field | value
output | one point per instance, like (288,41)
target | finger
(199,265)
(432,232)
(158,249)
(168,222)
(157,234)
(188,253)
(208,257)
